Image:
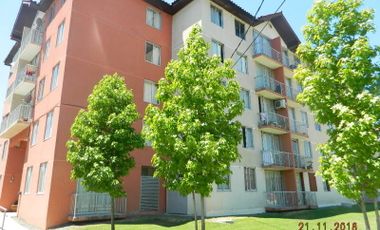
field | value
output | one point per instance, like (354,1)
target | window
(51,13)
(239,29)
(153,18)
(217,49)
(318,126)
(146,127)
(150,91)
(42,178)
(60,33)
(153,53)
(41,88)
(326,186)
(48,125)
(241,64)
(27,179)
(305,120)
(34,133)
(249,179)
(5,149)
(54,77)
(245,96)
(307,148)
(247,137)
(226,186)
(46,49)
(216,16)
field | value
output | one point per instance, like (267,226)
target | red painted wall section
(104,39)
(13,165)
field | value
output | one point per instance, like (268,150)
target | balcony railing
(267,51)
(290,199)
(22,113)
(269,83)
(274,120)
(298,127)
(292,93)
(274,158)
(290,61)
(33,36)
(303,162)
(97,205)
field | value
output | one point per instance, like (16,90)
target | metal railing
(303,162)
(4,211)
(267,82)
(267,51)
(298,127)
(22,113)
(290,61)
(24,76)
(292,93)
(33,36)
(277,159)
(273,119)
(91,204)
(291,199)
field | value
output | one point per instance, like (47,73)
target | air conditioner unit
(280,104)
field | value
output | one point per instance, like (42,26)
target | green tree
(194,133)
(339,75)
(102,138)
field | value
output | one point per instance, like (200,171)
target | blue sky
(294,10)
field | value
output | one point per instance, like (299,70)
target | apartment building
(63,48)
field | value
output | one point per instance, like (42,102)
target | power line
(246,32)
(241,56)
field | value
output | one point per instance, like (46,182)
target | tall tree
(102,139)
(339,74)
(194,133)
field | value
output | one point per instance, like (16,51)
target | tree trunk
(375,204)
(195,212)
(203,225)
(364,211)
(112,213)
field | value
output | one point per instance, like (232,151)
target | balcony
(24,83)
(267,56)
(91,205)
(30,44)
(273,123)
(291,62)
(277,159)
(290,200)
(268,87)
(292,94)
(18,120)
(299,129)
(303,162)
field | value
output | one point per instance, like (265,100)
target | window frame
(154,46)
(42,178)
(239,23)
(221,45)
(244,138)
(243,90)
(5,149)
(155,12)
(34,134)
(225,187)
(220,21)
(247,181)
(28,179)
(54,78)
(51,113)
(60,33)
(47,49)
(41,89)
(241,57)
(153,100)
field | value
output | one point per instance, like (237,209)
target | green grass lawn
(286,221)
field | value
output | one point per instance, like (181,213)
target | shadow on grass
(315,213)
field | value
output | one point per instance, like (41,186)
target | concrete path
(11,222)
